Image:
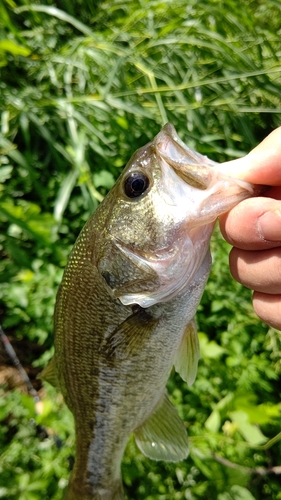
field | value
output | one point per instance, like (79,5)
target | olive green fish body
(125,308)
(112,378)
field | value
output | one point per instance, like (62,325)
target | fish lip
(192,167)
(169,134)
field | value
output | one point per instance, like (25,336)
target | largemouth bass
(125,308)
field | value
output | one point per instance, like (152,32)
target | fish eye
(136,184)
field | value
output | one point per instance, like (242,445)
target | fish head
(158,219)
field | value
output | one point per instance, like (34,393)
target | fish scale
(125,308)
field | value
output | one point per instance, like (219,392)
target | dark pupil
(135,185)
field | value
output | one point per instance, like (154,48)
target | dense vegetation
(83,84)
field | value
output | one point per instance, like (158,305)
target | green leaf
(64,194)
(60,14)
(28,217)
(213,422)
(5,173)
(14,48)
(237,493)
(103,178)
(209,349)
(251,433)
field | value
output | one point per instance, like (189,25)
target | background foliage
(83,85)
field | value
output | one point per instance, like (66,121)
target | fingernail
(269,226)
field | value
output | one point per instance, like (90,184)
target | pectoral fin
(188,354)
(49,373)
(129,337)
(163,436)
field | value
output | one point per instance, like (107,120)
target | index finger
(262,165)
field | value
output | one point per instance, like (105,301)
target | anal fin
(163,436)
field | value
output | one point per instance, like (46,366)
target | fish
(124,314)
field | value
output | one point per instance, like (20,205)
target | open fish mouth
(219,191)
(191,166)
(165,235)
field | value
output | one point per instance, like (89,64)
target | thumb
(262,165)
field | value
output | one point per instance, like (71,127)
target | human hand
(254,228)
